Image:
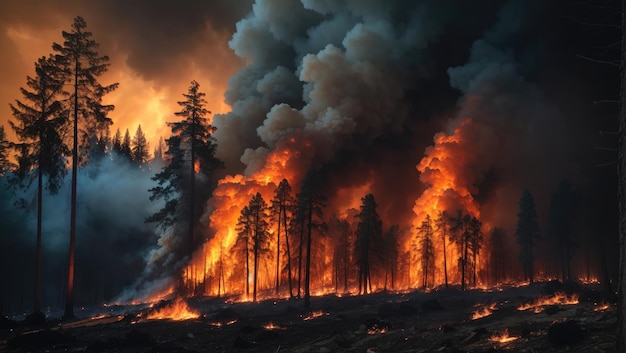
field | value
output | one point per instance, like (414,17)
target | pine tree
(309,216)
(140,147)
(282,203)
(498,254)
(40,121)
(339,230)
(442,226)
(158,151)
(527,233)
(461,236)
(117,142)
(475,244)
(191,148)
(259,213)
(5,146)
(368,235)
(82,65)
(242,245)
(125,147)
(426,249)
(391,253)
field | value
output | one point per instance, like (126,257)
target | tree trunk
(37,303)
(445,262)
(307,273)
(69,296)
(278,253)
(288,251)
(621,175)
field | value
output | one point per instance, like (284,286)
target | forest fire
(178,310)
(484,311)
(538,305)
(270,326)
(314,315)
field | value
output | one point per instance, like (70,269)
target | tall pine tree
(81,64)
(139,147)
(39,125)
(368,234)
(190,149)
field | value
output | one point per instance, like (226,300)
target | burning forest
(401,151)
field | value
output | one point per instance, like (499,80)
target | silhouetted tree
(442,226)
(158,151)
(390,251)
(190,146)
(498,254)
(140,147)
(309,217)
(339,230)
(259,214)
(368,235)
(244,236)
(475,244)
(40,120)
(125,147)
(561,217)
(116,142)
(82,65)
(282,203)
(426,249)
(461,236)
(527,233)
(5,146)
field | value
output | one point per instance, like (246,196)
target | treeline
(62,125)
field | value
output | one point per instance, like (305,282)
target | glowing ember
(558,299)
(602,307)
(220,324)
(272,326)
(503,338)
(178,310)
(375,330)
(484,311)
(314,314)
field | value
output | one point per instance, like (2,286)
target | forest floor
(436,321)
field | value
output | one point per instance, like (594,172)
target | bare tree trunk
(37,304)
(69,296)
(621,174)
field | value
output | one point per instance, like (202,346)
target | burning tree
(442,226)
(81,66)
(391,253)
(41,120)
(242,245)
(259,227)
(498,254)
(339,230)
(425,250)
(527,233)
(282,204)
(368,237)
(466,233)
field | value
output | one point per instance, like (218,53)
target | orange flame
(314,314)
(557,299)
(484,311)
(270,326)
(178,310)
(602,307)
(503,337)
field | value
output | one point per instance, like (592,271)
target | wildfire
(270,326)
(602,307)
(557,299)
(484,311)
(314,314)
(220,324)
(376,330)
(178,310)
(196,166)
(503,337)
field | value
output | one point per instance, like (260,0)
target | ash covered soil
(437,321)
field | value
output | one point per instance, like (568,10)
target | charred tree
(259,216)
(282,203)
(621,175)
(498,254)
(460,233)
(81,64)
(527,233)
(40,121)
(425,249)
(442,226)
(311,203)
(339,230)
(391,254)
(244,234)
(368,235)
(475,244)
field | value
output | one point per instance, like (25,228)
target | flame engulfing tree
(368,237)
(242,245)
(390,251)
(81,65)
(466,233)
(40,121)
(282,204)
(527,233)
(442,226)
(308,219)
(191,145)
(339,230)
(259,231)
(426,250)
(498,254)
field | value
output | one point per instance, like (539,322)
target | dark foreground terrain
(438,321)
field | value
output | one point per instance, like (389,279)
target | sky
(156,48)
